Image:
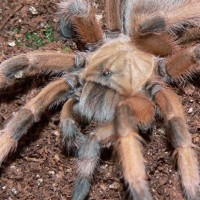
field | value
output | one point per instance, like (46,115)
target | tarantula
(116,88)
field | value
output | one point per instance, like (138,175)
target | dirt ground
(40,169)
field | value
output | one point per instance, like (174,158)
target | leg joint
(153,88)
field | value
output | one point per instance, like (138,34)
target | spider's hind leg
(131,115)
(171,110)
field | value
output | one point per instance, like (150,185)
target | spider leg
(70,129)
(37,62)
(83,18)
(132,115)
(185,14)
(155,23)
(190,35)
(31,113)
(113,15)
(88,154)
(171,111)
(149,35)
(181,64)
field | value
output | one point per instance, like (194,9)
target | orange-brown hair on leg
(184,14)
(148,34)
(190,35)
(155,23)
(181,64)
(37,62)
(8,144)
(171,110)
(113,15)
(83,17)
(29,114)
(132,113)
(89,28)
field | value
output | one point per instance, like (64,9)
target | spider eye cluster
(107,73)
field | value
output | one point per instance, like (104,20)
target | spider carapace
(116,88)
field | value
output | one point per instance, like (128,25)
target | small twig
(12,13)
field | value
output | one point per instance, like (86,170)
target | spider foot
(70,129)
(81,189)
(7,143)
(66,29)
(8,73)
(13,131)
(72,137)
(88,154)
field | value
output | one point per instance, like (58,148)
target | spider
(116,88)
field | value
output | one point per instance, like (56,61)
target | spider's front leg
(79,15)
(19,125)
(70,129)
(132,115)
(37,62)
(88,155)
(171,110)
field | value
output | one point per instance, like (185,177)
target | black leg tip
(66,29)
(81,189)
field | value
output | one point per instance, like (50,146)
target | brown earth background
(40,169)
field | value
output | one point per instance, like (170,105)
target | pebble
(3,187)
(103,187)
(190,110)
(56,20)
(33,10)
(14,191)
(51,172)
(114,185)
(56,157)
(39,181)
(56,133)
(12,44)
